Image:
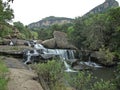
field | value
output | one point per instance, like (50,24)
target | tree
(96,36)
(25,32)
(77,34)
(114,23)
(6,13)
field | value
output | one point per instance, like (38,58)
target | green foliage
(80,81)
(47,33)
(117,76)
(103,85)
(114,22)
(5,30)
(52,73)
(6,13)
(3,80)
(25,32)
(107,55)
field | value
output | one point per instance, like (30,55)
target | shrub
(52,73)
(117,79)
(80,81)
(3,80)
(104,85)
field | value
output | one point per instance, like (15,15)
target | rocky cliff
(103,7)
(48,21)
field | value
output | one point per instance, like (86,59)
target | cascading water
(62,53)
(90,63)
(29,55)
(11,43)
(68,67)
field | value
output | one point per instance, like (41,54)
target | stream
(66,55)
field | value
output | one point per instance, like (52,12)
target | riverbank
(20,77)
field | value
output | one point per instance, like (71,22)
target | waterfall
(92,64)
(68,67)
(29,54)
(28,43)
(11,43)
(28,57)
(64,54)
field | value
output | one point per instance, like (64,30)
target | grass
(3,79)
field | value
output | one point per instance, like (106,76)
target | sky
(29,11)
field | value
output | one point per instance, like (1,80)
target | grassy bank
(3,80)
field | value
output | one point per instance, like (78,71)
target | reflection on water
(104,73)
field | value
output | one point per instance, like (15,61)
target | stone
(61,39)
(50,43)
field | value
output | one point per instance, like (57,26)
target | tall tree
(6,13)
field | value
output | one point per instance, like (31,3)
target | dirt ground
(20,77)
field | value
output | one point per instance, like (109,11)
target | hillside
(48,21)
(103,7)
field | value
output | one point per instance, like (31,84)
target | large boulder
(60,40)
(107,59)
(50,43)
(39,41)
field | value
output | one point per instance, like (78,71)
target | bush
(3,80)
(104,85)
(52,73)
(117,79)
(107,55)
(80,81)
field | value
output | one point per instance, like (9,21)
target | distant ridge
(103,7)
(51,20)
(48,21)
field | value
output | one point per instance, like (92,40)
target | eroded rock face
(103,7)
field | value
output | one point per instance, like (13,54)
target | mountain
(48,21)
(103,7)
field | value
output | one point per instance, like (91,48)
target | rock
(20,42)
(39,41)
(61,39)
(102,58)
(16,51)
(5,42)
(103,7)
(7,37)
(50,43)
(22,79)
